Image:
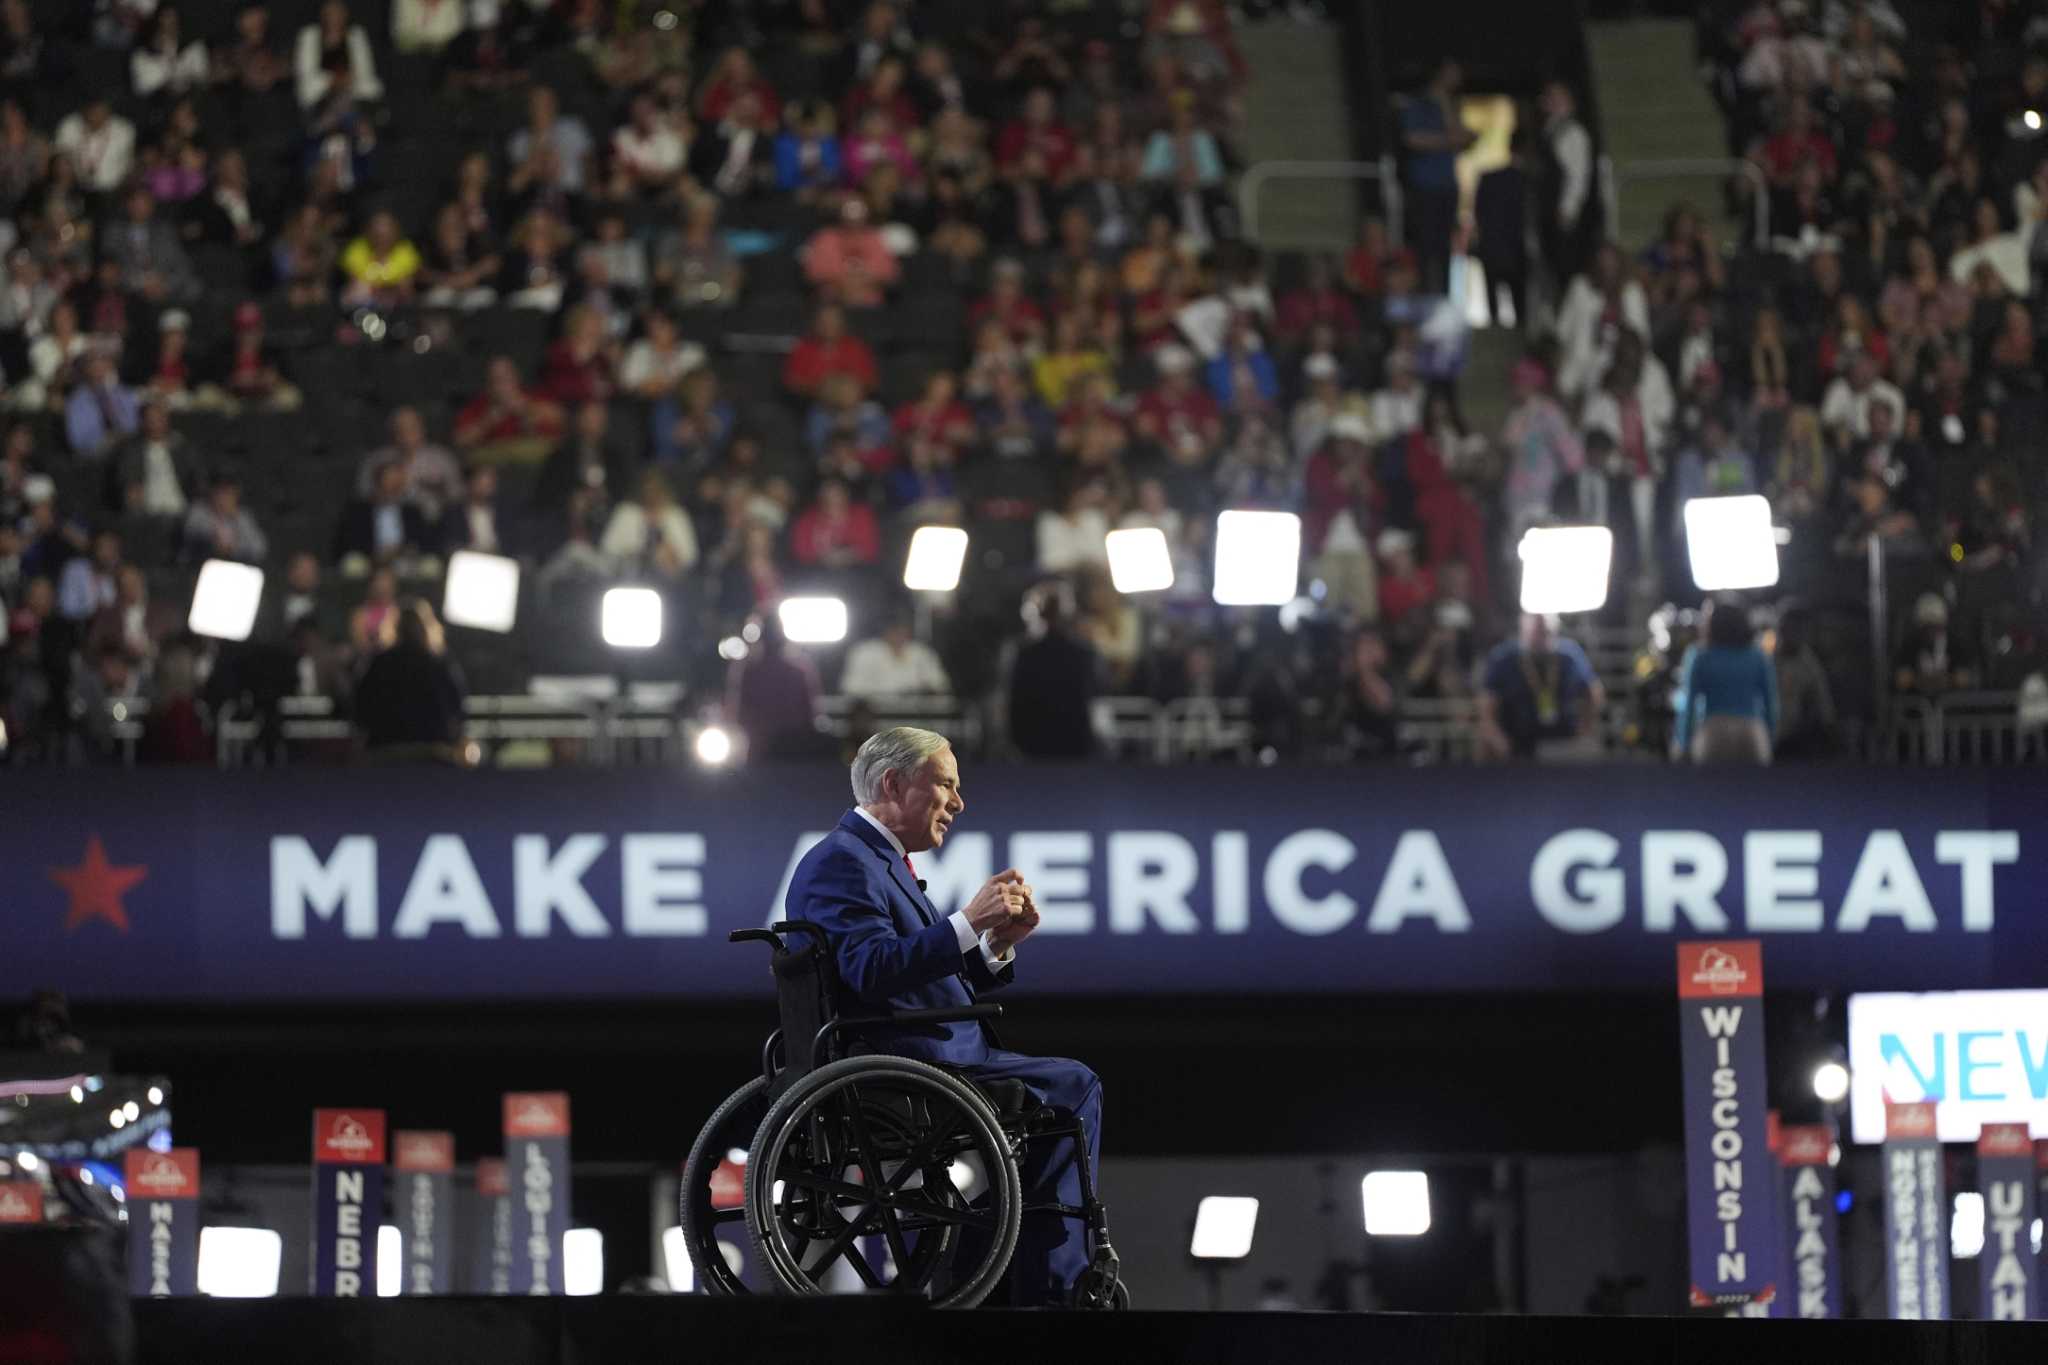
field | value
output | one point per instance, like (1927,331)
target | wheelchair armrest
(797,926)
(750,936)
(947,1016)
(848,1022)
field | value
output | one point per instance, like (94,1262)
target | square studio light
(1139,560)
(225,599)
(1258,558)
(936,554)
(1396,1203)
(813,620)
(631,618)
(1224,1224)
(583,1262)
(239,1263)
(1731,543)
(481,591)
(1564,568)
(390,1261)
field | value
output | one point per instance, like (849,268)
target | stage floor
(853,1331)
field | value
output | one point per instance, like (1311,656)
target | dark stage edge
(852,1331)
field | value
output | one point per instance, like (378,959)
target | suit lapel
(883,849)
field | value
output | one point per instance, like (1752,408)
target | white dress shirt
(962,930)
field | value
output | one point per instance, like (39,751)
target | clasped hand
(1003,909)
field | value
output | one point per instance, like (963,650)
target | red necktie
(912,866)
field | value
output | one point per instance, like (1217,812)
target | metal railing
(1961,729)
(1614,174)
(1381,171)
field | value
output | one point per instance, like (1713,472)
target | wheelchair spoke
(859,1262)
(836,1248)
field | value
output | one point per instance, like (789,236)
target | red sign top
(1728,967)
(414,1150)
(1774,1128)
(162,1175)
(2041,1156)
(348,1137)
(21,1201)
(490,1176)
(1908,1120)
(2004,1139)
(1804,1144)
(542,1114)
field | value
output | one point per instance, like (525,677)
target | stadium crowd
(729,298)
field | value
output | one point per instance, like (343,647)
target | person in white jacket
(1596,307)
(1633,408)
(331,49)
(651,534)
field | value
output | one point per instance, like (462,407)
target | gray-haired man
(894,950)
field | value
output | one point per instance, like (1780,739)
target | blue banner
(424,1162)
(1916,1215)
(162,1192)
(537,1167)
(1813,1231)
(490,1245)
(1732,1209)
(427,883)
(348,1201)
(2006,1268)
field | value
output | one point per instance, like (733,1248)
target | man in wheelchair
(893,952)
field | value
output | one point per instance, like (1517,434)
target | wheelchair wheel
(873,1161)
(732,1126)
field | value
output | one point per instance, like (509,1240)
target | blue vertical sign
(1916,1214)
(537,1169)
(1812,1234)
(1732,1218)
(2041,1205)
(348,1201)
(490,1245)
(425,1163)
(162,1190)
(2007,1269)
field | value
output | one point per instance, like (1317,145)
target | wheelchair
(899,1171)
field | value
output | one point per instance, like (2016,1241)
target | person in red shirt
(734,76)
(1406,588)
(579,365)
(505,411)
(1008,304)
(938,417)
(1177,414)
(1797,143)
(835,532)
(1316,302)
(1453,527)
(828,350)
(1037,130)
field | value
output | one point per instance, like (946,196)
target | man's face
(156,421)
(928,802)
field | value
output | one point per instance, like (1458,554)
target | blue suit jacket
(893,949)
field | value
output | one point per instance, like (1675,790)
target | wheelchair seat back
(805,982)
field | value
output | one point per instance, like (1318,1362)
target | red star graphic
(96,887)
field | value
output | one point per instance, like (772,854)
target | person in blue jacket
(893,949)
(1727,700)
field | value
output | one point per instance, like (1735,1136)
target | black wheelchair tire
(713,1141)
(795,1105)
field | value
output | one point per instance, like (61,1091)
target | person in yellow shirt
(380,264)
(1073,356)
